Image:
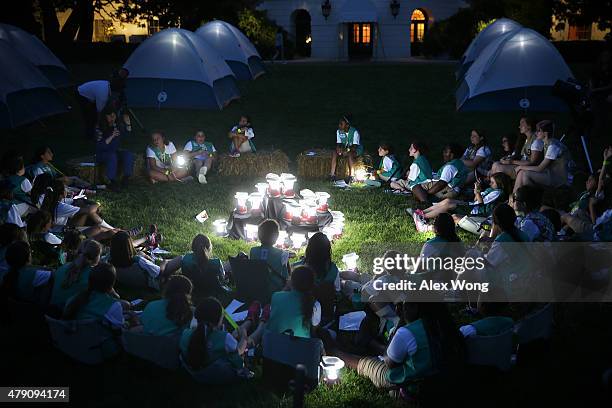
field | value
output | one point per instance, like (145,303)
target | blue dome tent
(177,69)
(235,48)
(25,94)
(33,50)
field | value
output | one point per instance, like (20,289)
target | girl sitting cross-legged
(162,161)
(171,314)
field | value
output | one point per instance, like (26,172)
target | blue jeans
(111,161)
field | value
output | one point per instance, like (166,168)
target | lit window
(418,25)
(579,32)
(417,15)
(356,33)
(365,34)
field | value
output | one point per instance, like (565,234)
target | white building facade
(359,29)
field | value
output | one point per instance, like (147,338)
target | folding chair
(160,350)
(491,351)
(252,279)
(87,341)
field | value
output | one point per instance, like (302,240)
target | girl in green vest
(172,314)
(531,153)
(389,168)
(45,245)
(484,200)
(277,259)
(9,213)
(201,153)
(419,171)
(477,156)
(492,307)
(296,310)
(23,281)
(327,277)
(348,144)
(427,342)
(73,277)
(161,158)
(205,272)
(208,352)
(449,179)
(21,185)
(41,164)
(99,301)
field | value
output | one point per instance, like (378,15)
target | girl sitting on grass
(277,259)
(172,314)
(389,168)
(483,204)
(162,160)
(72,278)
(208,352)
(21,186)
(419,171)
(41,164)
(242,137)
(23,281)
(9,212)
(477,156)
(201,154)
(531,153)
(45,244)
(205,272)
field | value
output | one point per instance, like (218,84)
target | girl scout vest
(330,276)
(25,283)
(203,282)
(424,171)
(395,170)
(96,307)
(18,193)
(483,167)
(274,258)
(44,167)
(5,207)
(547,231)
(417,365)
(347,138)
(459,179)
(204,147)
(60,295)
(487,209)
(163,157)
(216,347)
(492,326)
(156,322)
(286,314)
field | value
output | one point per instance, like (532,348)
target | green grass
(293,107)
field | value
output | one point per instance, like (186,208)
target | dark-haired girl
(161,160)
(296,310)
(348,144)
(41,164)
(21,185)
(531,153)
(419,171)
(23,281)
(389,168)
(208,352)
(45,244)
(72,278)
(242,136)
(477,156)
(172,314)
(9,233)
(108,148)
(9,212)
(205,272)
(98,301)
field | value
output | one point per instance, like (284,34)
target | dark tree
(585,12)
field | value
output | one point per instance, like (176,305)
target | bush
(260,30)
(452,36)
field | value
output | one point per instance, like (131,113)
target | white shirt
(356,137)
(114,315)
(26,186)
(249,133)
(63,213)
(414,172)
(448,173)
(52,239)
(529,227)
(468,330)
(537,145)
(554,151)
(96,91)
(387,163)
(316,313)
(169,149)
(402,345)
(148,266)
(13,217)
(487,199)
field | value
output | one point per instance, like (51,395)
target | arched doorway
(303,38)
(418,28)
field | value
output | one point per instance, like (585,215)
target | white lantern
(288,181)
(220,226)
(181,161)
(307,194)
(251,232)
(350,261)
(361,175)
(274,184)
(261,188)
(311,211)
(282,237)
(255,200)
(298,240)
(331,368)
(322,198)
(241,202)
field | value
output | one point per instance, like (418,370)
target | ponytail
(178,294)
(505,217)
(101,279)
(88,254)
(303,281)
(208,314)
(72,308)
(202,248)
(53,195)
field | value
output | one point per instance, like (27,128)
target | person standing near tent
(242,137)
(93,97)
(108,151)
(348,144)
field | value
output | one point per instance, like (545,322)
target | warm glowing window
(356,35)
(579,32)
(417,15)
(418,24)
(365,34)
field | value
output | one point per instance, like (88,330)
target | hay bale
(319,165)
(86,172)
(256,164)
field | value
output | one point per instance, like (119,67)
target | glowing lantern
(282,237)
(331,368)
(181,161)
(274,184)
(350,261)
(241,199)
(298,240)
(361,175)
(308,194)
(251,232)
(288,181)
(322,198)
(261,188)
(255,200)
(220,226)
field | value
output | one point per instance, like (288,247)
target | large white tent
(175,68)
(514,72)
(235,48)
(25,94)
(32,49)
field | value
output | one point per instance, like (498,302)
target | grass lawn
(293,107)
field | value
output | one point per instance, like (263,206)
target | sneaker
(265,314)
(134,232)
(332,178)
(254,311)
(349,179)
(202,175)
(419,222)
(410,211)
